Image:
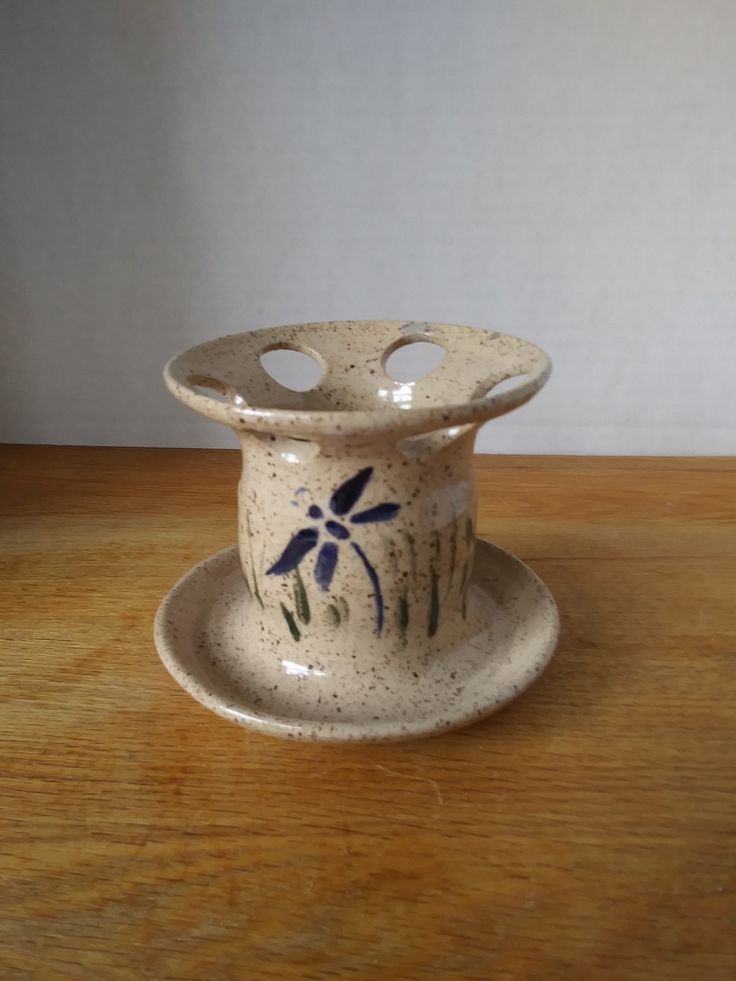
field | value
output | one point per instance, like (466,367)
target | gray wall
(564,170)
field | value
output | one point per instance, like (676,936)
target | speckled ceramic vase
(356,507)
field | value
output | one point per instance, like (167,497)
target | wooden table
(587,832)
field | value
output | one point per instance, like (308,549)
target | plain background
(564,170)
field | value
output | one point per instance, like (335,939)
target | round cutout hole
(412,328)
(507,385)
(213,388)
(295,370)
(410,362)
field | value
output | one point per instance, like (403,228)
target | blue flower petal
(324,568)
(348,494)
(303,542)
(381,512)
(336,529)
(375,582)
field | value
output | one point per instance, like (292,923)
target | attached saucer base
(199,633)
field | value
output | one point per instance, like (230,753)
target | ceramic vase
(356,508)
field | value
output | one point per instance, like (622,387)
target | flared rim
(183,372)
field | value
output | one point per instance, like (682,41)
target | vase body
(361,547)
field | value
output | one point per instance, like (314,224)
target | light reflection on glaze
(301,670)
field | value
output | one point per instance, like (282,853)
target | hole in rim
(413,360)
(295,370)
(291,449)
(213,388)
(427,444)
(507,385)
(414,328)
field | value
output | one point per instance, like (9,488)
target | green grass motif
(402,617)
(301,602)
(412,553)
(333,615)
(255,583)
(464,588)
(291,623)
(453,556)
(434,604)
(255,591)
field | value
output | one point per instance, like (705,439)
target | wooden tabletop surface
(588,831)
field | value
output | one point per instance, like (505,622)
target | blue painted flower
(341,504)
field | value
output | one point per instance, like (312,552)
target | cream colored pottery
(358,610)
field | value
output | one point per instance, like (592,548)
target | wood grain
(585,832)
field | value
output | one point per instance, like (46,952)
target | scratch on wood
(412,776)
